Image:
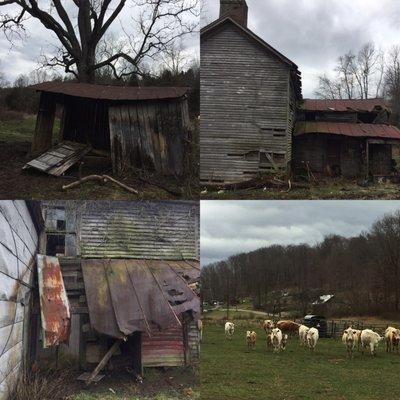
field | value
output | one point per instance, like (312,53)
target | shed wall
(150,135)
(18,247)
(244,107)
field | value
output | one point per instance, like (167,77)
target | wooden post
(43,135)
(367,157)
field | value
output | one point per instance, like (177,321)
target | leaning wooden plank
(69,162)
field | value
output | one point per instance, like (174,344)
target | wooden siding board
(241,100)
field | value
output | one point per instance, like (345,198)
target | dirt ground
(21,184)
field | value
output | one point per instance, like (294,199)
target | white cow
(350,339)
(229,330)
(312,337)
(303,334)
(285,339)
(370,339)
(276,338)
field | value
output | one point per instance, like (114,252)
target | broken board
(59,158)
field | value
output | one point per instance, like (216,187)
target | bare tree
(80,25)
(392,82)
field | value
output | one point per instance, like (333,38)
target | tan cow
(251,338)
(349,339)
(392,338)
(288,326)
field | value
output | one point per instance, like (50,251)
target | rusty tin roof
(348,129)
(340,105)
(125,296)
(108,92)
(54,305)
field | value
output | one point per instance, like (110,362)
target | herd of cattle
(278,335)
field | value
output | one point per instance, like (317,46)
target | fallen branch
(101,178)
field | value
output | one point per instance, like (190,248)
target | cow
(251,338)
(200,328)
(288,326)
(303,334)
(370,339)
(229,330)
(349,339)
(312,337)
(392,337)
(285,338)
(268,325)
(358,338)
(276,339)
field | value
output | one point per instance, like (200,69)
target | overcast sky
(314,33)
(23,56)
(231,227)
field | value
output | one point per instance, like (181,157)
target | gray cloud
(230,227)
(314,33)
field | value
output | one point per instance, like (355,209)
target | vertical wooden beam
(367,157)
(43,135)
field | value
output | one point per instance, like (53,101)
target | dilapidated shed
(20,227)
(139,127)
(130,272)
(249,96)
(350,138)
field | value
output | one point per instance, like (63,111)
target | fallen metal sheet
(125,296)
(54,305)
(59,158)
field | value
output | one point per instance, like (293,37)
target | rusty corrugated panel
(125,296)
(343,105)
(108,92)
(348,129)
(54,305)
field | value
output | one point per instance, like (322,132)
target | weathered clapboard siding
(244,107)
(150,135)
(193,342)
(18,247)
(151,230)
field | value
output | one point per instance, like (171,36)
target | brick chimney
(236,9)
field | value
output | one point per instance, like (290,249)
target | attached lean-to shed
(140,127)
(249,96)
(129,270)
(20,226)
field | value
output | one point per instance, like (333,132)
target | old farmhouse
(98,284)
(254,120)
(136,127)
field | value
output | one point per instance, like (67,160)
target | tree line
(368,73)
(364,269)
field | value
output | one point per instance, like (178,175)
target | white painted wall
(18,247)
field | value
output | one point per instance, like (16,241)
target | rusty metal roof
(340,105)
(348,129)
(54,305)
(108,92)
(125,296)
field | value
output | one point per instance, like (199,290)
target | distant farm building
(350,138)
(139,127)
(253,119)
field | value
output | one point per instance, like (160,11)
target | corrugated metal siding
(244,97)
(164,349)
(150,135)
(142,230)
(18,245)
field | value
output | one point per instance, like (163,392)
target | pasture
(229,371)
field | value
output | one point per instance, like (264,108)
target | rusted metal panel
(348,129)
(142,230)
(164,348)
(342,105)
(60,158)
(125,296)
(108,92)
(55,313)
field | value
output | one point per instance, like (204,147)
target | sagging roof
(348,129)
(296,74)
(343,105)
(108,92)
(125,296)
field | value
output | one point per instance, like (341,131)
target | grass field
(230,372)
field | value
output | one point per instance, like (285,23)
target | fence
(335,328)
